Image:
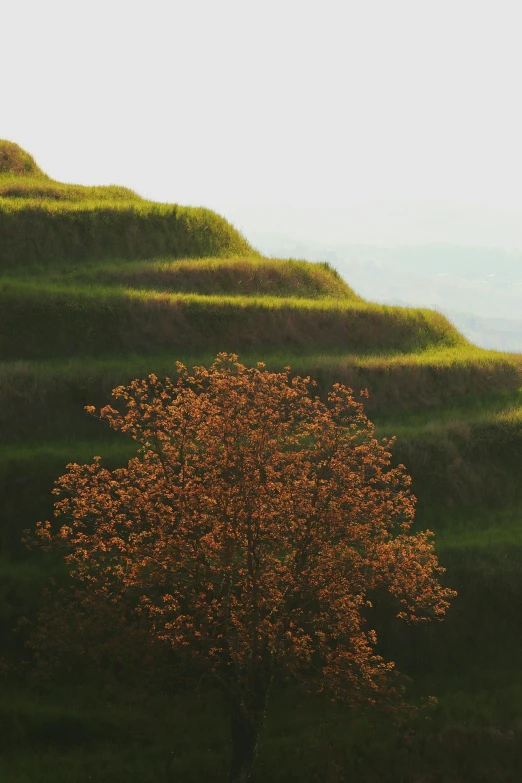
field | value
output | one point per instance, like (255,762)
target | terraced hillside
(98,286)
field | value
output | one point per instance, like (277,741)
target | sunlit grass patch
(16,162)
(241,275)
(36,190)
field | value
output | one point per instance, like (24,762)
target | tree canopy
(250,533)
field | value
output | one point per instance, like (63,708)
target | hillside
(98,286)
(43,221)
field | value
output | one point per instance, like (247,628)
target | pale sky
(227,103)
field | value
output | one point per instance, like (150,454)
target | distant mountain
(499,333)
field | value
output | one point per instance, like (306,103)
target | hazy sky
(278,102)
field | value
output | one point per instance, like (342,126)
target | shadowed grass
(62,738)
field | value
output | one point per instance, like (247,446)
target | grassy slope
(92,294)
(48,222)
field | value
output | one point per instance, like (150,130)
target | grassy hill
(43,221)
(97,287)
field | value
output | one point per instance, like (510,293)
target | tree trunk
(246,709)
(245,727)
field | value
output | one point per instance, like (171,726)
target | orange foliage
(250,532)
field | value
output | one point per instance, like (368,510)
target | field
(98,287)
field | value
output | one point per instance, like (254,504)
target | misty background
(464,261)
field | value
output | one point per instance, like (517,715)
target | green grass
(16,162)
(44,400)
(47,232)
(44,320)
(36,189)
(241,275)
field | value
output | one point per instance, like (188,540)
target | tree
(250,533)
